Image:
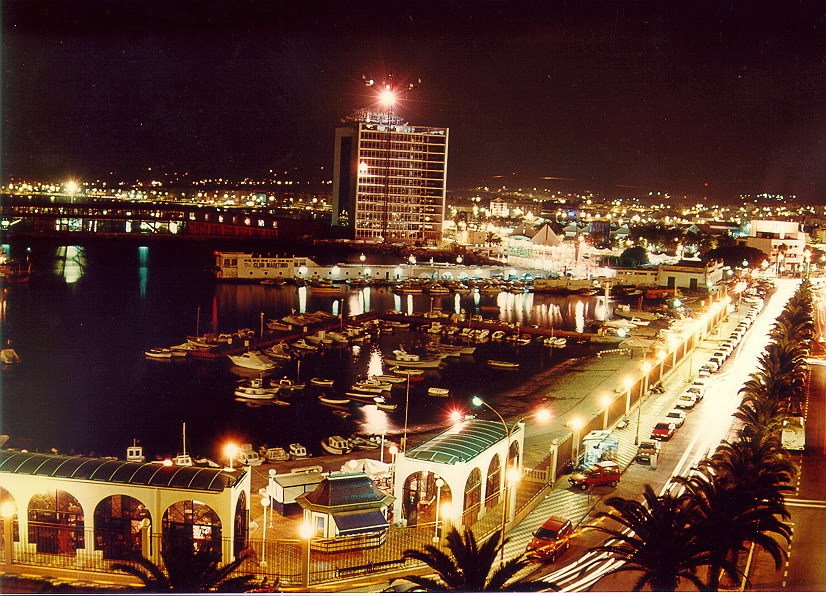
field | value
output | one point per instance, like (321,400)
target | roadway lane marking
(806,503)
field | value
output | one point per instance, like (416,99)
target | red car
(663,431)
(550,540)
(602,473)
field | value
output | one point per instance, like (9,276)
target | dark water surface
(82,323)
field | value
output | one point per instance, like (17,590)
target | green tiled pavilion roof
(460,445)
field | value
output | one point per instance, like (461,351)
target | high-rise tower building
(389,178)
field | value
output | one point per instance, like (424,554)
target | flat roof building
(389,178)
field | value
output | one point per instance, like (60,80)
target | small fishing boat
(503,364)
(278,351)
(343,414)
(418,362)
(319,382)
(363,443)
(286,384)
(389,379)
(276,454)
(274,325)
(336,445)
(256,389)
(371,386)
(298,451)
(438,392)
(365,398)
(333,401)
(159,353)
(386,406)
(252,360)
(325,288)
(409,372)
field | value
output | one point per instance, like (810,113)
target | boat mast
(184,438)
(198,322)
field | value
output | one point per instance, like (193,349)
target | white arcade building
(464,468)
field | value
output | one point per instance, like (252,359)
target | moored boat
(321,382)
(438,392)
(333,401)
(336,445)
(256,389)
(253,360)
(298,451)
(503,364)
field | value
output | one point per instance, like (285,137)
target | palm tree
(657,538)
(755,465)
(188,571)
(466,566)
(729,516)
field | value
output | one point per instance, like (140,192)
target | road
(708,424)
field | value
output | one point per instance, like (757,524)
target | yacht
(253,360)
(438,392)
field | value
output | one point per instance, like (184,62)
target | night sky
(620,97)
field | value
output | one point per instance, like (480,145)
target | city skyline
(598,96)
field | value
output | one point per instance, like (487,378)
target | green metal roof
(118,471)
(460,443)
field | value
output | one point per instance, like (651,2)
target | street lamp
(646,368)
(362,258)
(606,401)
(265,502)
(306,532)
(439,484)
(478,402)
(230,451)
(7,513)
(576,424)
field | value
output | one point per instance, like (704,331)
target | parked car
(703,373)
(646,450)
(710,366)
(717,361)
(663,431)
(675,417)
(550,540)
(697,392)
(686,401)
(604,472)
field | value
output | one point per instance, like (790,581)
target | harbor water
(82,324)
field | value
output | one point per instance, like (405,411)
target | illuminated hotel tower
(389,177)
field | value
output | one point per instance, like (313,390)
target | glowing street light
(439,484)
(71,187)
(387,97)
(230,451)
(362,258)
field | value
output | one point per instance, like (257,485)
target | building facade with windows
(783,241)
(389,178)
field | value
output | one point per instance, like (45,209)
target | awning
(362,522)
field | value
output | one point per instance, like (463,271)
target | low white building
(691,275)
(783,242)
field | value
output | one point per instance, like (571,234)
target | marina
(310,388)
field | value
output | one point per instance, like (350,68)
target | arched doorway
(191,525)
(513,456)
(241,525)
(119,520)
(56,523)
(493,483)
(473,498)
(411,497)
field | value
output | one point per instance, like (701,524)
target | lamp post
(406,408)
(606,401)
(7,513)
(265,502)
(478,401)
(646,367)
(439,484)
(807,258)
(230,451)
(576,424)
(306,532)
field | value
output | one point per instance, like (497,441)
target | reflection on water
(410,304)
(580,316)
(302,299)
(374,421)
(70,263)
(143,270)
(375,365)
